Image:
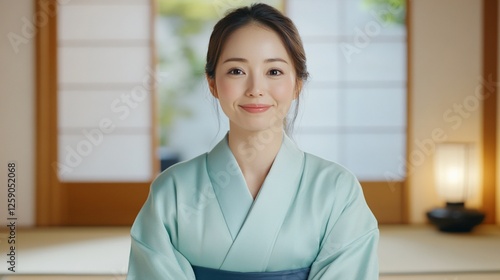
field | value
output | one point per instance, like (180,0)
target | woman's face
(255,80)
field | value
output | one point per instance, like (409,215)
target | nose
(255,86)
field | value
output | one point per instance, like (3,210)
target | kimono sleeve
(152,254)
(349,248)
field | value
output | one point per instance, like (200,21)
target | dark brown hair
(266,16)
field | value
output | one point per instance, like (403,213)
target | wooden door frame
(489,104)
(49,206)
(52,203)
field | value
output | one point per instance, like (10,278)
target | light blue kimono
(309,213)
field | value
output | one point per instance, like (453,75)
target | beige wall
(17,106)
(446,64)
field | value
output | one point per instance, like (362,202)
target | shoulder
(334,181)
(325,169)
(335,188)
(183,172)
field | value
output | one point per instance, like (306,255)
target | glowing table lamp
(455,179)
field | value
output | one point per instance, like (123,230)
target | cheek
(284,92)
(227,89)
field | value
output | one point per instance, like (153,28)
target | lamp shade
(456,178)
(454,172)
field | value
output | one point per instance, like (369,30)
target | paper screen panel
(377,62)
(104,65)
(322,145)
(375,108)
(319,107)
(326,13)
(105,77)
(109,157)
(323,61)
(93,22)
(124,108)
(372,157)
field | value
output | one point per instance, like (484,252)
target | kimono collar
(231,190)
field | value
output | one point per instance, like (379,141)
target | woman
(255,207)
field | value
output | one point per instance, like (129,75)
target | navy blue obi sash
(203,273)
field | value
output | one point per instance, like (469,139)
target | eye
(235,71)
(275,72)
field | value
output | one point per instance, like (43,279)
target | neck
(255,153)
(252,148)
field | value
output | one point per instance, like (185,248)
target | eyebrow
(239,59)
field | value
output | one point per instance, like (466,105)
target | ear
(298,88)
(212,86)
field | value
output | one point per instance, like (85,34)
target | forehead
(254,41)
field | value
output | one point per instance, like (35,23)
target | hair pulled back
(265,16)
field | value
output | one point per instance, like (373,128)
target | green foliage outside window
(186,19)
(390,11)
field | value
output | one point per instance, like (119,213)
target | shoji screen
(354,105)
(105,85)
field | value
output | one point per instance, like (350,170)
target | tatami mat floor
(406,253)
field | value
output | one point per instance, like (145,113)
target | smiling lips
(255,108)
